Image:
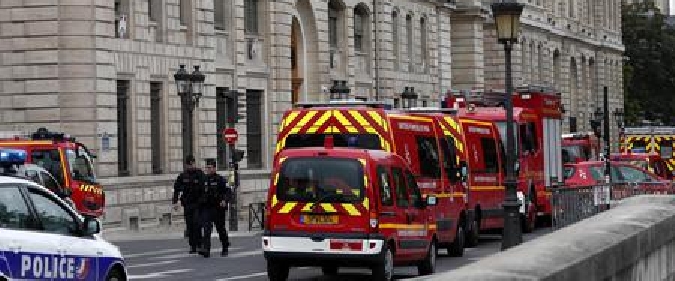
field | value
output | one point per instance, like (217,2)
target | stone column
(468,52)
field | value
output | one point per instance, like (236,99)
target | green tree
(649,71)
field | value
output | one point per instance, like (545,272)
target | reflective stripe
(351,210)
(287,208)
(486,188)
(322,120)
(328,207)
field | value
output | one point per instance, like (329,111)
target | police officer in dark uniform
(212,207)
(188,188)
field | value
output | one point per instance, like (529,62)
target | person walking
(215,197)
(188,190)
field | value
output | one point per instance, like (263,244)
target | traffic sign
(230,135)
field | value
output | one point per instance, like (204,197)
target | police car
(43,238)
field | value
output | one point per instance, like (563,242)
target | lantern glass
(507,20)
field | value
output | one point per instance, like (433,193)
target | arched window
(423,43)
(409,35)
(394,37)
(360,28)
(251,17)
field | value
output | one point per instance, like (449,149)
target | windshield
(365,141)
(571,153)
(80,165)
(638,163)
(501,126)
(330,180)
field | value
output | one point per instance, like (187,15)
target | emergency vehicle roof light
(44,134)
(342,103)
(12,157)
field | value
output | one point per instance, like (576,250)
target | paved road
(167,259)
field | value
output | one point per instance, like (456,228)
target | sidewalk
(158,232)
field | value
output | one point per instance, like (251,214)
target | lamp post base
(512,233)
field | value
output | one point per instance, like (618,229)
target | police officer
(189,188)
(212,209)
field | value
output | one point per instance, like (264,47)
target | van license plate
(319,219)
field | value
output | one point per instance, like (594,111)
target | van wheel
(472,234)
(277,271)
(329,270)
(114,275)
(456,249)
(384,271)
(428,265)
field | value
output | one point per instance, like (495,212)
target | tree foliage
(649,71)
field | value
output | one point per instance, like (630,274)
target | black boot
(193,250)
(224,253)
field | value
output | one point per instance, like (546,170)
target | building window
(570,7)
(332,25)
(423,43)
(184,12)
(122,127)
(251,17)
(122,19)
(156,14)
(254,128)
(360,26)
(394,36)
(221,123)
(219,15)
(156,126)
(556,70)
(409,31)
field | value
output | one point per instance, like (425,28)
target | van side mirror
(431,200)
(464,172)
(91,226)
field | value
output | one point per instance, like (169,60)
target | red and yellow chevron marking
(334,121)
(340,208)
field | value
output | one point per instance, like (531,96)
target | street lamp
(618,117)
(190,88)
(409,97)
(339,90)
(507,21)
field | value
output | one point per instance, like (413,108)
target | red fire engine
(69,162)
(578,147)
(537,117)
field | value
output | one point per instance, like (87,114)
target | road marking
(151,264)
(153,253)
(160,274)
(178,256)
(246,254)
(252,275)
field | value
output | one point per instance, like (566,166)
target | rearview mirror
(431,200)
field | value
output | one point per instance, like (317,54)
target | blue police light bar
(12,157)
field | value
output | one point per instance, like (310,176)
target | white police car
(42,238)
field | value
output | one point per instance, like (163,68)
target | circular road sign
(230,135)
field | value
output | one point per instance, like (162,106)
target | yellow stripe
(351,209)
(363,161)
(365,181)
(319,122)
(328,207)
(276,179)
(366,203)
(302,122)
(468,121)
(63,166)
(407,117)
(287,208)
(307,208)
(369,128)
(448,195)
(402,226)
(453,124)
(486,188)
(378,119)
(274,200)
(287,121)
(24,143)
(343,120)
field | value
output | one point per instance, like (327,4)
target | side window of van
(490,155)
(400,187)
(449,158)
(413,189)
(427,150)
(384,186)
(528,135)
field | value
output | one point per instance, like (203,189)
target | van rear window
(365,141)
(324,180)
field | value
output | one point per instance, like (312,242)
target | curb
(157,232)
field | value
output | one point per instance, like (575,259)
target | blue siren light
(12,157)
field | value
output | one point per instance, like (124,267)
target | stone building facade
(103,70)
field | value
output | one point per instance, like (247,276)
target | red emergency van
(346,207)
(581,146)
(69,162)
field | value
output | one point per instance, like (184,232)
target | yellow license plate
(319,219)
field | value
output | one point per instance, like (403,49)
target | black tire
(428,265)
(329,270)
(456,248)
(473,231)
(384,271)
(277,271)
(114,275)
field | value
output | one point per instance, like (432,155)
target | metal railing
(256,216)
(573,204)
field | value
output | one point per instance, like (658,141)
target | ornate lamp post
(618,117)
(507,21)
(190,88)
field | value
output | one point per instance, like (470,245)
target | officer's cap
(211,162)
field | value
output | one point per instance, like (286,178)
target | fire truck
(578,147)
(537,116)
(68,161)
(649,139)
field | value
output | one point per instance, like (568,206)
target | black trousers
(191,214)
(208,218)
